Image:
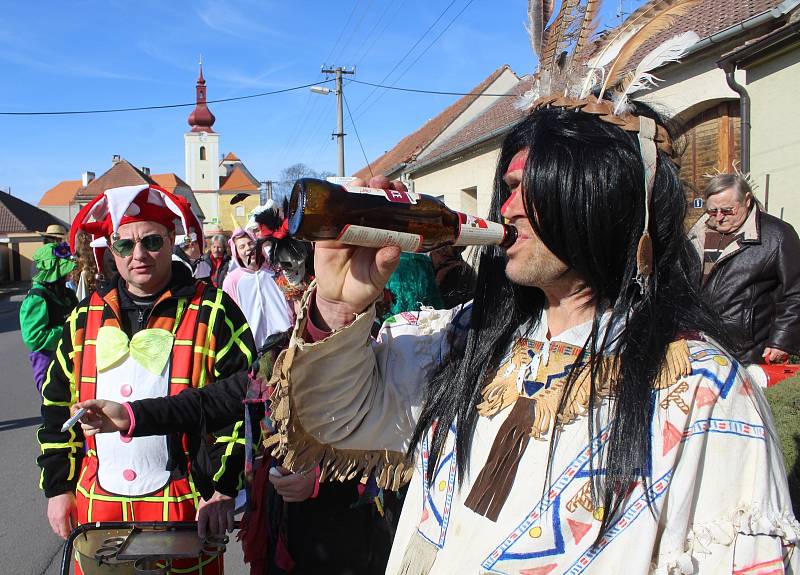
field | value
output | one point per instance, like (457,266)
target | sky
(90,55)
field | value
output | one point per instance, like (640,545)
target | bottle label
(474,231)
(393,196)
(376,238)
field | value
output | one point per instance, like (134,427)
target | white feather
(669,51)
(610,52)
(597,64)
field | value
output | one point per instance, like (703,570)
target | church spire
(201,119)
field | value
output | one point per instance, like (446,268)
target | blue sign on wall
(698,202)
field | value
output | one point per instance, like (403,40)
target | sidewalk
(11,294)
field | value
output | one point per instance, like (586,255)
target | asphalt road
(27,545)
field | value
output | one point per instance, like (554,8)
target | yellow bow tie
(151,348)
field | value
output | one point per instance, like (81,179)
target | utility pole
(339,112)
(265,191)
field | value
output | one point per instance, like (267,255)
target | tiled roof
(171,182)
(238,180)
(495,120)
(123,173)
(230,157)
(407,149)
(18,216)
(61,194)
(706,18)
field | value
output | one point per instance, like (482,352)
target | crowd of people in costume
(582,401)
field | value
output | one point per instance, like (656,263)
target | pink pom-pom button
(129,475)
(125,438)
(126,390)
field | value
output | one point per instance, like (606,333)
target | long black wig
(584,180)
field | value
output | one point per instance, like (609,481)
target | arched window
(202,152)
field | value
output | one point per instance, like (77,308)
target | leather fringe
(501,392)
(301,451)
(493,484)
(419,556)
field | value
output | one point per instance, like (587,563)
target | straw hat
(54,231)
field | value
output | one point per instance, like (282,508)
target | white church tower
(201,145)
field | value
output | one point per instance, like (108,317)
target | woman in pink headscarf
(252,286)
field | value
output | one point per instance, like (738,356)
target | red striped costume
(211,340)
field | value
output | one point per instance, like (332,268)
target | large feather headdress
(568,77)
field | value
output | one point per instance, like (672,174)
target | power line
(445,29)
(353,122)
(162,107)
(367,45)
(403,73)
(341,32)
(408,53)
(420,91)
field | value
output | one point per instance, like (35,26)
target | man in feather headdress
(579,415)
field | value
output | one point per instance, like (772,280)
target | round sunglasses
(124,247)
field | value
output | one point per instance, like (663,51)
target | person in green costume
(413,285)
(46,306)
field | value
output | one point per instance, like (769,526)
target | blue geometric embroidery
(630,515)
(709,355)
(532,386)
(442,516)
(726,426)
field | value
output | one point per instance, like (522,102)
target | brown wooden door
(711,141)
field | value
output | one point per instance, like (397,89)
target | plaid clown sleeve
(234,352)
(61,452)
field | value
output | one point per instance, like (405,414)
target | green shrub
(784,399)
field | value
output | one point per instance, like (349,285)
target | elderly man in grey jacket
(751,271)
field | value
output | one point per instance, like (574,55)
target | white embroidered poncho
(718,488)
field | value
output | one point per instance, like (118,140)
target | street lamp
(320,90)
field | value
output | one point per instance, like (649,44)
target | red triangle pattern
(671,437)
(578,529)
(705,396)
(425,515)
(539,570)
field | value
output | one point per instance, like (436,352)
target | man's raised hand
(350,278)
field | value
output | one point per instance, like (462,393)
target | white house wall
(474,171)
(688,88)
(774,86)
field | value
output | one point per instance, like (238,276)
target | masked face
(292,261)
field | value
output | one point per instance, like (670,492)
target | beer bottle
(371,217)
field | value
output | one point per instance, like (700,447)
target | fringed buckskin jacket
(715,500)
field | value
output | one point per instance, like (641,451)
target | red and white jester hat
(103,216)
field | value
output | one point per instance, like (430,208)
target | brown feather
(658,18)
(586,26)
(635,21)
(555,34)
(547,11)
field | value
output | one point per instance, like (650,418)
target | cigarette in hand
(74,419)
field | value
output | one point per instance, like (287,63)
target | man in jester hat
(151,331)
(47,305)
